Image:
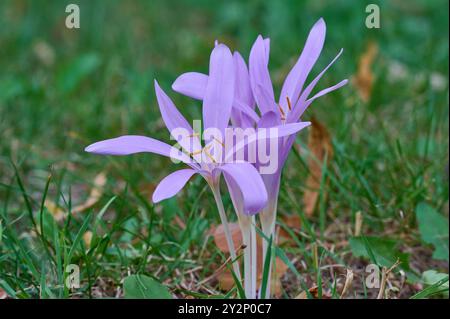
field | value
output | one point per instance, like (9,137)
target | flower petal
(243,91)
(177,125)
(192,84)
(296,78)
(250,183)
(269,119)
(219,95)
(259,74)
(131,144)
(172,184)
(266,133)
(302,103)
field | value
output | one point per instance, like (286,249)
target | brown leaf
(320,146)
(56,211)
(363,80)
(87,238)
(220,239)
(314,291)
(225,278)
(293,222)
(44,52)
(95,194)
(3,294)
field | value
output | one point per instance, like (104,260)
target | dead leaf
(95,194)
(363,80)
(314,291)
(87,238)
(3,294)
(56,211)
(319,145)
(44,52)
(293,222)
(225,278)
(220,238)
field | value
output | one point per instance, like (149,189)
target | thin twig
(384,275)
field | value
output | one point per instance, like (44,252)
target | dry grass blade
(348,282)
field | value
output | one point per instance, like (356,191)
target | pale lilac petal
(235,194)
(269,119)
(302,104)
(314,82)
(219,95)
(172,184)
(247,121)
(243,92)
(177,125)
(259,74)
(297,76)
(131,144)
(272,183)
(266,133)
(266,103)
(245,109)
(192,84)
(250,183)
(328,90)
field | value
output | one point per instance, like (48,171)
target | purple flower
(217,104)
(254,86)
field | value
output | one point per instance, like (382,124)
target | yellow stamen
(193,135)
(197,152)
(210,156)
(219,141)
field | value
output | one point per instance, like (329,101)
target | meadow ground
(62,89)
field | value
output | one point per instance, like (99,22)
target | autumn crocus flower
(255,86)
(217,105)
(216,112)
(292,103)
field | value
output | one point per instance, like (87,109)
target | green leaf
(384,251)
(440,286)
(144,287)
(433,229)
(431,277)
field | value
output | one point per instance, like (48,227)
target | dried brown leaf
(225,278)
(364,78)
(87,238)
(220,239)
(56,211)
(95,194)
(3,294)
(320,147)
(293,222)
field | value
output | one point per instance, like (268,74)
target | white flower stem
(267,218)
(254,261)
(223,217)
(245,225)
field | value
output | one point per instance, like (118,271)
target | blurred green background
(62,89)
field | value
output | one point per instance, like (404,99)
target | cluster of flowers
(230,94)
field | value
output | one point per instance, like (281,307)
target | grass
(61,90)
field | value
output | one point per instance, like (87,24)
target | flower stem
(223,217)
(267,218)
(254,261)
(245,225)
